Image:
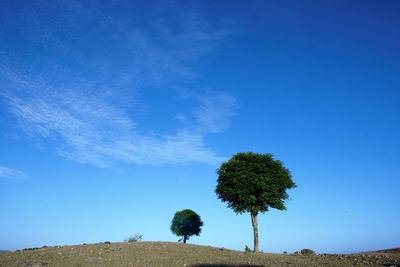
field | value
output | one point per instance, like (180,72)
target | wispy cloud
(12,174)
(94,131)
(85,96)
(212,116)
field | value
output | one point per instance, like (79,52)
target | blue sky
(115,114)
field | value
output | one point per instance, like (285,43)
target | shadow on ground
(226,265)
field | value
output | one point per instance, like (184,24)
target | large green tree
(254,183)
(186,223)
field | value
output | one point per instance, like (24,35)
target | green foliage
(186,223)
(247,249)
(136,238)
(307,251)
(251,182)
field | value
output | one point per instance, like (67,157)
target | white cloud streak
(12,173)
(94,131)
(84,109)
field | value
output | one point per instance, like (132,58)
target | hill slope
(392,250)
(177,254)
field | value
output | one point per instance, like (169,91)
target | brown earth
(177,254)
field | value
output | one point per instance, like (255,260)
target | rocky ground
(177,254)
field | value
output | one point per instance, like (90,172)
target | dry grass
(177,254)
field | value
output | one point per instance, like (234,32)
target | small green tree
(186,223)
(254,183)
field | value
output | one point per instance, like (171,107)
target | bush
(107,242)
(307,251)
(136,238)
(285,252)
(247,249)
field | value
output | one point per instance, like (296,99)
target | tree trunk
(255,229)
(184,239)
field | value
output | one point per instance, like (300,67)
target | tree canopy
(186,223)
(254,183)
